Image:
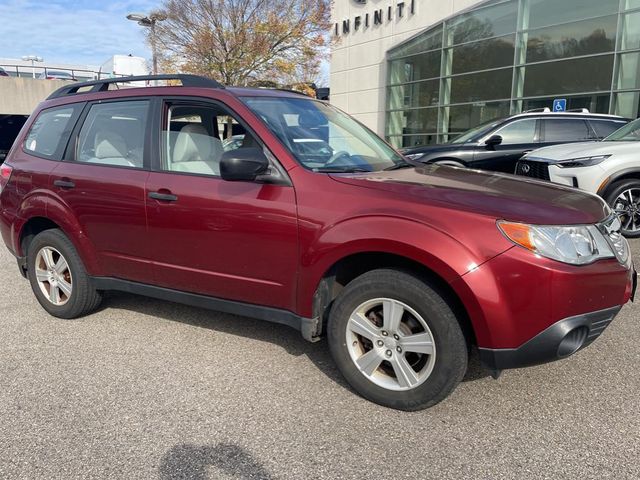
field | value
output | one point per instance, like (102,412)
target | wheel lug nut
(399,349)
(396,337)
(384,333)
(380,343)
(388,353)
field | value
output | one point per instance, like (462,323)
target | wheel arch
(351,266)
(57,216)
(622,175)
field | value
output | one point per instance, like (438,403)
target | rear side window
(604,128)
(48,135)
(114,134)
(558,131)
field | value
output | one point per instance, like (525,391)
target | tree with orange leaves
(239,42)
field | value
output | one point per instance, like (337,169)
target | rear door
(518,137)
(102,180)
(565,130)
(232,240)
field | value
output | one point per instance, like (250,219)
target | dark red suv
(310,220)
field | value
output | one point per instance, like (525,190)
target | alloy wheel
(627,207)
(391,344)
(53,276)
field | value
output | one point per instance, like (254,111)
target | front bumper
(522,306)
(560,340)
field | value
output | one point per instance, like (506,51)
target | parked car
(499,144)
(610,168)
(10,126)
(403,268)
(232,143)
(56,75)
(3,72)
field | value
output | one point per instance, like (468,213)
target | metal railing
(27,71)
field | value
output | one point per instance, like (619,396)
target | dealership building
(423,71)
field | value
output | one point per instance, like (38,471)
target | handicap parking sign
(560,105)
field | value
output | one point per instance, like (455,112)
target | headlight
(415,156)
(583,161)
(575,245)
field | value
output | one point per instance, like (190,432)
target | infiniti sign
(400,9)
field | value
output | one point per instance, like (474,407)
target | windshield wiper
(404,164)
(399,166)
(341,170)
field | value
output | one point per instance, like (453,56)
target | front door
(231,240)
(518,137)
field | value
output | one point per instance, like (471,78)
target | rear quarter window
(604,128)
(50,132)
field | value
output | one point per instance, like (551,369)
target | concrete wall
(20,96)
(358,58)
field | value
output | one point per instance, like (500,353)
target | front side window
(321,137)
(50,132)
(194,137)
(566,131)
(521,131)
(114,134)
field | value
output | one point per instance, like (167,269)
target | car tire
(58,277)
(624,199)
(389,317)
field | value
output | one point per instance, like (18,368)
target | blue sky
(85,32)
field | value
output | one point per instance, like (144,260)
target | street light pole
(32,59)
(149,21)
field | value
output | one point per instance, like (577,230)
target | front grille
(533,169)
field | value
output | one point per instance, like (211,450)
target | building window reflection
(503,57)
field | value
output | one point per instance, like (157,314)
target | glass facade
(506,56)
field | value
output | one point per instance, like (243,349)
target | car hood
(499,196)
(579,150)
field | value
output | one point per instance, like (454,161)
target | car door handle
(165,197)
(64,183)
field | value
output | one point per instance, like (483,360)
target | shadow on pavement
(192,461)
(289,339)
(280,335)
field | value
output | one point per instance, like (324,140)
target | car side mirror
(243,164)
(493,141)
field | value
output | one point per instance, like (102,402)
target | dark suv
(499,144)
(403,268)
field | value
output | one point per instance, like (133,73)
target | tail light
(5,175)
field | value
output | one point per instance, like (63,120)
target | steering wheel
(337,156)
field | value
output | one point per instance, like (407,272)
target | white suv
(610,168)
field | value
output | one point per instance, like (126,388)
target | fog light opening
(572,342)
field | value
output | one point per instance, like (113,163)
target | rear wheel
(624,199)
(396,340)
(58,278)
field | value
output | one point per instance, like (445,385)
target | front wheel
(396,340)
(624,199)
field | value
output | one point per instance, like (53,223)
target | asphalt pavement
(146,389)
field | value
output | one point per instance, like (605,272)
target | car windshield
(322,138)
(475,132)
(629,133)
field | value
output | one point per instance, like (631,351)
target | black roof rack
(103,85)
